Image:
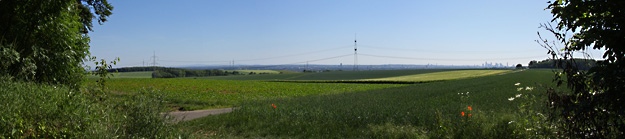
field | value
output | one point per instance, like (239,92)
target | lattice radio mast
(355,53)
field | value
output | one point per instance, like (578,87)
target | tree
(46,40)
(594,105)
(532,63)
(519,66)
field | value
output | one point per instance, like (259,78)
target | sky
(274,32)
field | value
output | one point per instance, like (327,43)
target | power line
(187,61)
(444,59)
(441,51)
(256,59)
(321,59)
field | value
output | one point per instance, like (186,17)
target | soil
(190,115)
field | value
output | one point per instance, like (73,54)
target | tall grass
(31,110)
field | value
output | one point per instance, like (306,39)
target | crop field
(262,71)
(411,111)
(192,94)
(254,77)
(352,110)
(443,75)
(339,75)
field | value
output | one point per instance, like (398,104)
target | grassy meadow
(413,111)
(267,109)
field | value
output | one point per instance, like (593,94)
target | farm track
(190,115)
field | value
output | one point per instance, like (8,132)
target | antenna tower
(355,53)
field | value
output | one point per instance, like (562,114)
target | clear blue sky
(215,32)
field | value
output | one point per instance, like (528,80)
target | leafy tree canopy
(594,107)
(46,40)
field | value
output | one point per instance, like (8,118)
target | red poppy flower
(469,115)
(462,113)
(469,107)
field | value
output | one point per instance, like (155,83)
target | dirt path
(190,115)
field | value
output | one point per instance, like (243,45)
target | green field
(192,94)
(334,75)
(443,75)
(262,71)
(414,111)
(353,110)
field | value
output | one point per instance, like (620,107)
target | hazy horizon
(322,32)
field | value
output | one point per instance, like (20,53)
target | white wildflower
(467,93)
(517,84)
(529,88)
(519,89)
(510,122)
(511,99)
(519,95)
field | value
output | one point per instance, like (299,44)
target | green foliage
(593,107)
(10,57)
(31,110)
(415,111)
(101,70)
(581,64)
(46,41)
(39,111)
(140,116)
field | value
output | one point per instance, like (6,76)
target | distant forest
(132,69)
(163,72)
(582,64)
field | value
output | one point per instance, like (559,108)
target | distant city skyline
(247,32)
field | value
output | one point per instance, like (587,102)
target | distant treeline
(133,69)
(582,64)
(175,73)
